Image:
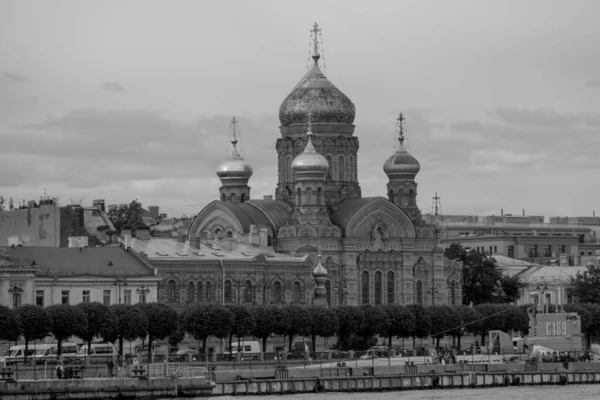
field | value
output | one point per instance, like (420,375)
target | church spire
(234,172)
(315,39)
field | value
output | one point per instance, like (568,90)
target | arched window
(243,197)
(288,169)
(209,292)
(233,197)
(378,291)
(228,296)
(411,197)
(419,293)
(330,169)
(391,287)
(277,298)
(297,292)
(365,287)
(391,196)
(191,294)
(298,197)
(229,233)
(172,291)
(200,291)
(223,198)
(453,293)
(309,196)
(248,295)
(351,168)
(328,290)
(319,196)
(341,168)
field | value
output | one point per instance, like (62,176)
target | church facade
(375,250)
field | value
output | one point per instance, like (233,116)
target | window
(248,295)
(511,251)
(319,196)
(365,287)
(65,297)
(233,197)
(200,291)
(419,293)
(309,196)
(106,297)
(330,169)
(191,294)
(39,298)
(171,291)
(277,292)
(209,291)
(341,168)
(378,294)
(391,287)
(548,299)
(328,290)
(142,294)
(563,249)
(85,296)
(297,292)
(127,297)
(495,249)
(289,169)
(298,197)
(453,293)
(228,291)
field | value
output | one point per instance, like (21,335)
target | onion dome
(319,271)
(317,94)
(234,166)
(310,161)
(401,164)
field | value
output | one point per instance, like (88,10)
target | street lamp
(142,291)
(16,291)
(120,281)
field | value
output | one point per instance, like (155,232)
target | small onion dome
(310,160)
(319,271)
(401,164)
(315,93)
(234,166)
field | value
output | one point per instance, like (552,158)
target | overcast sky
(132,99)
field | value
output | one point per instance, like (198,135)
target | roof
(172,249)
(503,261)
(550,274)
(279,212)
(345,209)
(92,261)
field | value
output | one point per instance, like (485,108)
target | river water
(573,392)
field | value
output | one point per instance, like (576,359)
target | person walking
(59,371)
(110,365)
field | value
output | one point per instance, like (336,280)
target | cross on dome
(234,123)
(315,31)
(401,120)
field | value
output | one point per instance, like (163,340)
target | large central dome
(316,94)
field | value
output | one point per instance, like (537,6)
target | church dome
(234,166)
(310,160)
(316,94)
(320,271)
(401,163)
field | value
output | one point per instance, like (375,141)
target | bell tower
(234,172)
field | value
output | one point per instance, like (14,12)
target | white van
(98,351)
(248,350)
(16,355)
(48,353)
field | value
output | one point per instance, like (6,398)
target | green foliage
(491,317)
(296,322)
(422,321)
(350,320)
(443,320)
(131,324)
(323,322)
(10,325)
(176,337)
(590,318)
(482,281)
(162,321)
(71,224)
(101,322)
(372,320)
(202,321)
(467,316)
(398,322)
(127,217)
(266,319)
(243,323)
(36,323)
(67,321)
(587,285)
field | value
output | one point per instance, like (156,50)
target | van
(98,352)
(48,353)
(248,350)
(16,355)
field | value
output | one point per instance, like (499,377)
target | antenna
(436,205)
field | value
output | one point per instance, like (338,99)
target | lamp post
(16,290)
(118,282)
(142,290)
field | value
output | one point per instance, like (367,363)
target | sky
(123,100)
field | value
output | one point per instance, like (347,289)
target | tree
(590,318)
(467,316)
(162,321)
(511,288)
(101,322)
(323,323)
(398,321)
(177,337)
(131,324)
(443,320)
(67,321)
(587,285)
(297,320)
(350,319)
(127,217)
(371,323)
(36,323)
(202,321)
(266,320)
(491,317)
(242,323)
(10,325)
(422,326)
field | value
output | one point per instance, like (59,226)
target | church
(375,250)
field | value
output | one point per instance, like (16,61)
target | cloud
(466,126)
(112,86)
(543,116)
(593,83)
(15,77)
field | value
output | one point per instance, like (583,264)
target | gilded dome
(319,271)
(310,160)
(234,166)
(315,93)
(401,163)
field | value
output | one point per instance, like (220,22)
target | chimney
(78,242)
(126,234)
(523,212)
(263,235)
(99,204)
(153,210)
(253,237)
(195,242)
